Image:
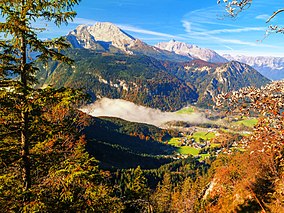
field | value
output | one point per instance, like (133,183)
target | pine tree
(44,166)
(162,197)
(19,38)
(133,190)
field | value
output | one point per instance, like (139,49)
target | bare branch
(274,14)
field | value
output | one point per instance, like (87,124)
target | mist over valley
(129,111)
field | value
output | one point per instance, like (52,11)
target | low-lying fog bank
(131,112)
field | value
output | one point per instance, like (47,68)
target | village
(205,142)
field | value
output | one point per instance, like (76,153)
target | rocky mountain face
(190,51)
(107,37)
(270,67)
(100,37)
(212,79)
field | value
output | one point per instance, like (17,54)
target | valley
(160,97)
(190,131)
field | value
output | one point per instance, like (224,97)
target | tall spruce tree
(44,166)
(18,39)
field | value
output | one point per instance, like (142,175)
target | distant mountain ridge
(270,67)
(190,50)
(107,37)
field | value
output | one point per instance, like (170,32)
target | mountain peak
(109,31)
(101,34)
(185,49)
(107,24)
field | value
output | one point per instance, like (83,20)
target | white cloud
(228,47)
(240,42)
(206,25)
(129,111)
(249,53)
(159,39)
(208,16)
(208,36)
(146,32)
(237,41)
(187,26)
(238,30)
(263,17)
(192,28)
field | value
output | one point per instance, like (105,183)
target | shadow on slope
(121,144)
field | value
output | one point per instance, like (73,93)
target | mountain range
(137,78)
(107,37)
(192,51)
(270,67)
(111,63)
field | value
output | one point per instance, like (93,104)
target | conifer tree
(19,101)
(44,166)
(18,39)
(161,198)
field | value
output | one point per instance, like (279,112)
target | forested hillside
(140,79)
(146,81)
(212,79)
(112,140)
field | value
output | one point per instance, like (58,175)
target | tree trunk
(26,171)
(25,145)
(26,174)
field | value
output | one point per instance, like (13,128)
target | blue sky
(200,22)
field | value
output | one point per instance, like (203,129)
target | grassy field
(187,110)
(197,136)
(203,156)
(204,135)
(247,122)
(187,150)
(174,142)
